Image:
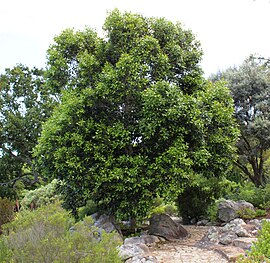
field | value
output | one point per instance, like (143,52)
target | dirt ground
(187,250)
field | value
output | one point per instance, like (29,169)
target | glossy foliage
(138,120)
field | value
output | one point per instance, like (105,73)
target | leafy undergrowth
(49,235)
(260,251)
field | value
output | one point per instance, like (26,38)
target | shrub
(41,196)
(5,252)
(157,210)
(258,196)
(253,259)
(246,213)
(193,203)
(161,207)
(45,235)
(87,210)
(212,211)
(260,251)
(6,211)
(260,213)
(170,210)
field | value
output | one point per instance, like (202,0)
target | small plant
(168,209)
(260,251)
(6,211)
(252,259)
(246,213)
(212,211)
(87,210)
(260,213)
(266,205)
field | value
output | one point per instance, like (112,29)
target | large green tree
(136,118)
(24,104)
(250,88)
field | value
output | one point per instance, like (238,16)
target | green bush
(5,252)
(193,203)
(260,251)
(212,211)
(246,213)
(170,210)
(253,259)
(45,235)
(260,213)
(258,196)
(6,211)
(87,210)
(161,207)
(41,196)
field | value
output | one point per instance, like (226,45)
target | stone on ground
(162,225)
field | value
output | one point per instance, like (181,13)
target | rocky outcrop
(162,225)
(233,239)
(106,222)
(229,210)
(136,249)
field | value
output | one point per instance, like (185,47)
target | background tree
(24,105)
(142,123)
(250,87)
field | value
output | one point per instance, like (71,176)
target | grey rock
(227,238)
(132,250)
(213,235)
(148,240)
(241,231)
(202,222)
(256,223)
(162,225)
(142,259)
(238,221)
(243,242)
(228,210)
(107,223)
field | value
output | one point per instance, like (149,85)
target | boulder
(133,250)
(227,238)
(162,225)
(212,236)
(228,210)
(235,233)
(244,243)
(240,231)
(230,252)
(148,240)
(107,223)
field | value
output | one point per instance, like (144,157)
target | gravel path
(187,251)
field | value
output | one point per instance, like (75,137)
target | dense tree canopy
(250,88)
(24,105)
(136,118)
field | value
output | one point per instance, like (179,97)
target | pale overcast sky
(229,30)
